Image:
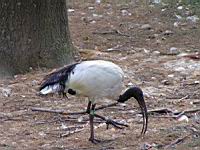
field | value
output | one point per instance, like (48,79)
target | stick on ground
(177,141)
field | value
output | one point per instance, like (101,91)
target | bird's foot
(64,94)
(94,141)
(115,124)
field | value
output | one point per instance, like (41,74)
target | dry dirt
(152,58)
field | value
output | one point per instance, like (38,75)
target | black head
(137,93)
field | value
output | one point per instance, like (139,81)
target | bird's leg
(91,115)
(88,107)
(111,122)
(107,120)
(64,95)
(62,90)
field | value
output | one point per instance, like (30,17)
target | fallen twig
(183,98)
(192,110)
(160,111)
(157,110)
(178,98)
(12,119)
(70,128)
(168,54)
(195,102)
(114,31)
(163,116)
(180,115)
(169,111)
(173,114)
(71,132)
(178,141)
(63,112)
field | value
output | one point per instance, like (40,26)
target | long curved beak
(143,108)
(137,93)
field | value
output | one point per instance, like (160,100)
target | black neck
(135,92)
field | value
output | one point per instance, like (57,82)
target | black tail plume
(58,77)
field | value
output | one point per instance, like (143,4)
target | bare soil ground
(144,41)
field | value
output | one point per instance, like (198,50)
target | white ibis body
(95,79)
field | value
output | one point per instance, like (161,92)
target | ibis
(95,79)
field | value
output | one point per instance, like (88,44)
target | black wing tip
(60,75)
(42,87)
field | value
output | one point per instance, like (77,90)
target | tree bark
(33,33)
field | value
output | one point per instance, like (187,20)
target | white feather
(50,89)
(97,79)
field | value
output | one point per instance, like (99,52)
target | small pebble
(70,10)
(80,119)
(146,26)
(165,82)
(63,126)
(130,84)
(193,18)
(125,12)
(6,92)
(168,32)
(156,52)
(98,1)
(173,50)
(180,7)
(170,75)
(90,8)
(183,118)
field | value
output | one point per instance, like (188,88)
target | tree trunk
(33,33)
